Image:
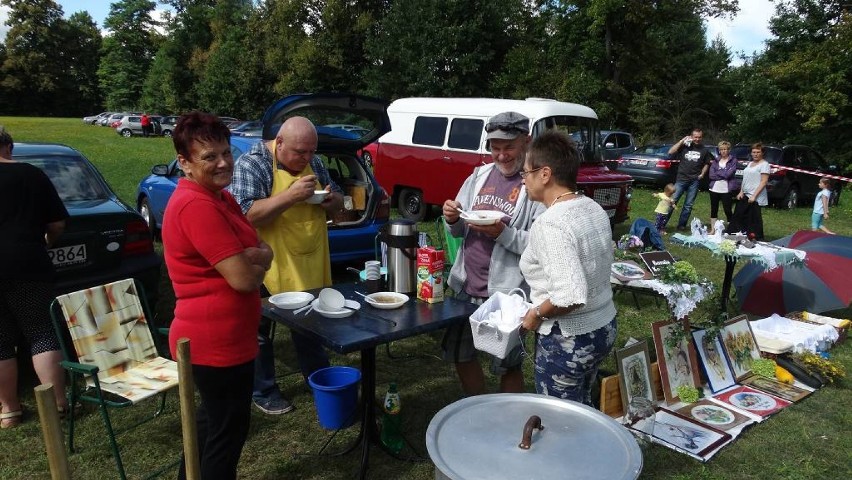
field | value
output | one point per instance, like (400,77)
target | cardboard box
(359,196)
(430,274)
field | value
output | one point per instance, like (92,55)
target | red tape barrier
(773,167)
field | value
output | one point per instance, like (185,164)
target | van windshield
(583,130)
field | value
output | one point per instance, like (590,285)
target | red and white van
(435,143)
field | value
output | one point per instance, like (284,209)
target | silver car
(130,125)
(95,119)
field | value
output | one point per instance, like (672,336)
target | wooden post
(52,432)
(187,411)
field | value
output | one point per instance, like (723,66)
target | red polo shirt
(201,229)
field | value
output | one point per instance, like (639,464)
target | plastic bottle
(392,421)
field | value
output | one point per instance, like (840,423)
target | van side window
(465,133)
(429,131)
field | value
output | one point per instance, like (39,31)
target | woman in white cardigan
(567,265)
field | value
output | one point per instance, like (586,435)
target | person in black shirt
(695,159)
(32,216)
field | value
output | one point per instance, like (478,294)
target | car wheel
(167,133)
(368,159)
(126,133)
(791,200)
(148,215)
(411,206)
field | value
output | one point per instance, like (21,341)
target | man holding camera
(694,159)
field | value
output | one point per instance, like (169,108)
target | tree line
(644,66)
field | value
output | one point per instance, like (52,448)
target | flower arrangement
(687,393)
(630,242)
(814,363)
(763,367)
(728,248)
(678,273)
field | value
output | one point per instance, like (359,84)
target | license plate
(638,162)
(69,255)
(739,173)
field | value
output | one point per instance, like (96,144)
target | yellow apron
(299,239)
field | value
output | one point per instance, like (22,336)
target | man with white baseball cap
(487,261)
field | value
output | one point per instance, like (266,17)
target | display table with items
(707,387)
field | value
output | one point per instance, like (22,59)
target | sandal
(11,419)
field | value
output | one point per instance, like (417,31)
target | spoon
(468,214)
(362,294)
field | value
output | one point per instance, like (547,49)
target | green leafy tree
(82,45)
(127,52)
(36,61)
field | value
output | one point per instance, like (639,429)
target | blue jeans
(690,187)
(309,353)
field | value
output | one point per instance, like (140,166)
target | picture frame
(753,401)
(655,261)
(678,365)
(714,415)
(718,371)
(791,393)
(739,345)
(634,367)
(684,433)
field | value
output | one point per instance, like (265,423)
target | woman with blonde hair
(723,184)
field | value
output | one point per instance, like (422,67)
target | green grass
(808,440)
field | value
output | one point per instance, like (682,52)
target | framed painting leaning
(634,367)
(677,359)
(740,346)
(719,373)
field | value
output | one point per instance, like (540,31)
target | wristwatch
(539,315)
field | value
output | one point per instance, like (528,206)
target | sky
(744,34)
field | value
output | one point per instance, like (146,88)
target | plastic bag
(496,323)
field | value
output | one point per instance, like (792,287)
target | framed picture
(678,363)
(626,270)
(791,393)
(753,401)
(634,365)
(655,261)
(714,415)
(719,373)
(740,346)
(687,434)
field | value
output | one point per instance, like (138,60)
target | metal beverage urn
(400,237)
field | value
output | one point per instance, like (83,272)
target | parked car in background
(167,124)
(228,121)
(614,144)
(787,188)
(130,125)
(652,165)
(368,153)
(241,128)
(352,234)
(108,121)
(94,119)
(360,131)
(104,240)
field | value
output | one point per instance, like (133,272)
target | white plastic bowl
(386,300)
(331,300)
(317,197)
(482,217)
(351,307)
(291,300)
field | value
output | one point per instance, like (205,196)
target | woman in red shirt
(216,264)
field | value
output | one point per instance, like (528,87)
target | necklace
(560,196)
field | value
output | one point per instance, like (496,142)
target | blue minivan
(352,232)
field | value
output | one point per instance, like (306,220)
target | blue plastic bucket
(335,395)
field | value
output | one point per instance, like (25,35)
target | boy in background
(664,208)
(821,206)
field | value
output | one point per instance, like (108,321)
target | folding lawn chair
(114,351)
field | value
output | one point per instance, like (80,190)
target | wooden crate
(610,403)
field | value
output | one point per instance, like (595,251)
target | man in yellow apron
(271,183)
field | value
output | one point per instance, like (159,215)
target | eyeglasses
(524,173)
(506,127)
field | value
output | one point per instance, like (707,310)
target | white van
(435,143)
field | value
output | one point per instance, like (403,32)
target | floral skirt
(566,366)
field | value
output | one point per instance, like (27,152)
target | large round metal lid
(478,438)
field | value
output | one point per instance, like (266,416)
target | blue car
(352,232)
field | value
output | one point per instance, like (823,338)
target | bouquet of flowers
(630,242)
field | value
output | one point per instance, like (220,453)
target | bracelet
(538,314)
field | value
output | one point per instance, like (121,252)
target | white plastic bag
(496,323)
